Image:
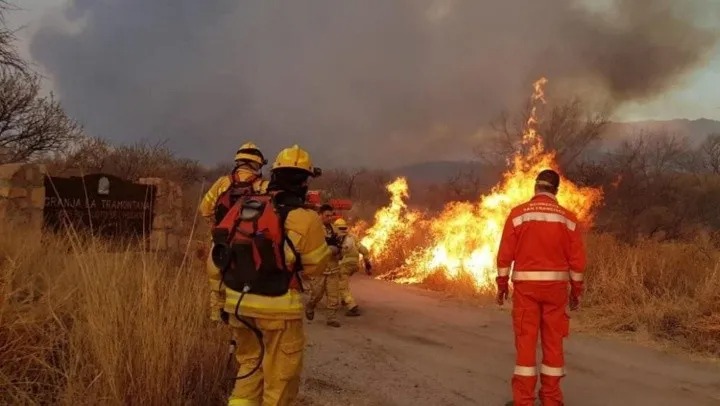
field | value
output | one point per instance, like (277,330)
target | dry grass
(463,286)
(670,290)
(80,325)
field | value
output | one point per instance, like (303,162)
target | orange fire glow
(463,239)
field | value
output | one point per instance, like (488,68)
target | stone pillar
(22,194)
(167,225)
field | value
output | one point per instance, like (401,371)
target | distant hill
(435,171)
(696,130)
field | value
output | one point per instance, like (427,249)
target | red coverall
(543,240)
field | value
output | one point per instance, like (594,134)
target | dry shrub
(671,290)
(81,324)
(400,246)
(463,286)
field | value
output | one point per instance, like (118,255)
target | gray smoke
(372,82)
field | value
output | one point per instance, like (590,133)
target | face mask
(253,168)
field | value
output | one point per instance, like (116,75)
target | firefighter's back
(543,230)
(304,229)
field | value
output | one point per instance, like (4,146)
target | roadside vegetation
(85,323)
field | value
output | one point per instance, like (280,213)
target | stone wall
(22,200)
(22,194)
(167,227)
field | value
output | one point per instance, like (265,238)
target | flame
(463,239)
(392,220)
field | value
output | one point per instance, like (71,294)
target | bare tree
(654,191)
(88,155)
(568,129)
(31,125)
(710,153)
(9,58)
(142,159)
(340,182)
(654,154)
(468,184)
(352,181)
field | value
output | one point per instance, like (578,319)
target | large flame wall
(462,240)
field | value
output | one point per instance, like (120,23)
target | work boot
(354,312)
(333,323)
(309,313)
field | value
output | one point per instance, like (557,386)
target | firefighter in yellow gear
(350,250)
(327,284)
(279,319)
(249,161)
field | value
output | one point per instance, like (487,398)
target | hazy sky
(376,82)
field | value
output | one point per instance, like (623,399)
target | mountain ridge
(616,132)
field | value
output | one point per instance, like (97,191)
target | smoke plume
(371,82)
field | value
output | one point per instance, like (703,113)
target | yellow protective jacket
(222,184)
(305,229)
(350,251)
(334,262)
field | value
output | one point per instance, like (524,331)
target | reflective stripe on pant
(344,287)
(326,285)
(277,382)
(539,309)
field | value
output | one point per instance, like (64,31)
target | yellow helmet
(250,152)
(341,226)
(296,158)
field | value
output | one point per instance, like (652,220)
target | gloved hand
(368,267)
(503,289)
(576,291)
(574,302)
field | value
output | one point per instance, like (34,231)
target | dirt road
(412,347)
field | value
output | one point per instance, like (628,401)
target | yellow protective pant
(346,298)
(217,290)
(277,382)
(326,285)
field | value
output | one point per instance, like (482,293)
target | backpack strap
(297,267)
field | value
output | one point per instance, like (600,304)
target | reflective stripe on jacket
(544,241)
(351,250)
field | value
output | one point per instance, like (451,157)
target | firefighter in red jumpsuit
(542,242)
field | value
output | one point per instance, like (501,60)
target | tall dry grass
(669,290)
(83,325)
